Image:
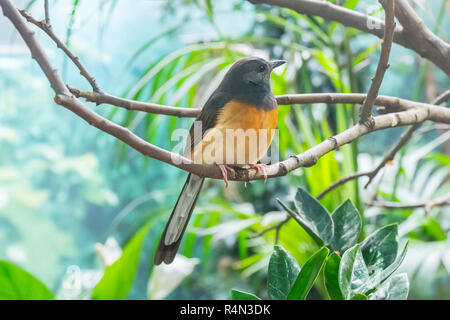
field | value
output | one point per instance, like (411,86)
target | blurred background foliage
(72,197)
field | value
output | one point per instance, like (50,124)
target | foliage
(364,271)
(17,284)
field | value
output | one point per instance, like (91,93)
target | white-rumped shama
(243,100)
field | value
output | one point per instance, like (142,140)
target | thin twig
(427,205)
(383,63)
(47,14)
(288,99)
(128,104)
(44,26)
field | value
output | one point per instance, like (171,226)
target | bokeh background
(71,197)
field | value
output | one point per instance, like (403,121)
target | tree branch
(389,156)
(45,26)
(427,205)
(433,49)
(383,65)
(128,104)
(417,31)
(389,103)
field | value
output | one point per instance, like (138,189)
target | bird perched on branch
(235,128)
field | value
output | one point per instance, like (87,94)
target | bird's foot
(224,168)
(261,169)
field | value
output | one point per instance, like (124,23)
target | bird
(242,102)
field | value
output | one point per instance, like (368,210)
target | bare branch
(128,104)
(49,31)
(427,205)
(47,13)
(435,50)
(417,31)
(444,97)
(389,156)
(383,65)
(389,103)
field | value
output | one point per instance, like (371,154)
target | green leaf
(396,288)
(306,277)
(118,277)
(380,248)
(359,296)
(18,284)
(332,276)
(353,272)
(312,216)
(347,226)
(381,275)
(283,270)
(241,295)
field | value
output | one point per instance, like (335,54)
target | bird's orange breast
(241,136)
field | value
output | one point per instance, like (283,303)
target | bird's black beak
(276,63)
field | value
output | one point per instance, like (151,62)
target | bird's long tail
(173,233)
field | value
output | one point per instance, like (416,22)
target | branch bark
(389,103)
(389,156)
(46,27)
(433,48)
(427,205)
(383,65)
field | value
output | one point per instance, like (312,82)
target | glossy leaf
(396,288)
(283,270)
(118,277)
(381,275)
(353,272)
(380,248)
(241,295)
(347,226)
(18,284)
(332,277)
(307,276)
(312,216)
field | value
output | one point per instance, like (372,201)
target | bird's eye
(262,68)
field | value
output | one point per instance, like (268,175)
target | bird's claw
(261,169)
(224,168)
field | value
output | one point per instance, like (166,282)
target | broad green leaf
(296,217)
(241,295)
(283,270)
(18,284)
(312,216)
(353,272)
(308,274)
(396,288)
(380,248)
(347,226)
(381,275)
(332,276)
(118,277)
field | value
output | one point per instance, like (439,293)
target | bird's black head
(250,75)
